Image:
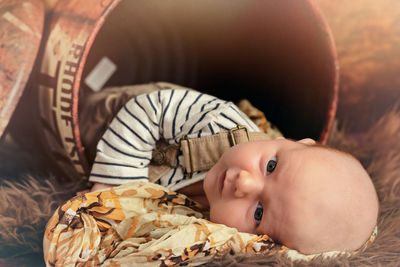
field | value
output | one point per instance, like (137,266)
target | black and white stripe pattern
(125,149)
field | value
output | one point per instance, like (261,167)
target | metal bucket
(278,54)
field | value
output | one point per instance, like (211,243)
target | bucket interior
(276,54)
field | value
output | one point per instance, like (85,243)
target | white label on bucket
(100,74)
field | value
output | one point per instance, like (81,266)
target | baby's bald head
(338,208)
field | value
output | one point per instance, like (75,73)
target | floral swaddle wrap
(144,223)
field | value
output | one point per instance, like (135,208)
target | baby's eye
(271,166)
(258,213)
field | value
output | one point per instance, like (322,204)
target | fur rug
(28,198)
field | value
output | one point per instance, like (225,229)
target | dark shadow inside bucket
(274,53)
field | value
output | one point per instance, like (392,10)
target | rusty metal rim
(76,87)
(335,69)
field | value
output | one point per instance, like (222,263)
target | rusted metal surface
(21,25)
(76,29)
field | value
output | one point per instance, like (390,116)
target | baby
(305,196)
(308,197)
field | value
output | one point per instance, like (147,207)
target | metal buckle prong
(188,174)
(232,137)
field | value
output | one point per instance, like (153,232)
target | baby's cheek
(218,215)
(207,185)
(229,217)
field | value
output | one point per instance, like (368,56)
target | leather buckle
(232,136)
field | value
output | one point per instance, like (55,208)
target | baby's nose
(247,184)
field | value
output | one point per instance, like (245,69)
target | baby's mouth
(221,181)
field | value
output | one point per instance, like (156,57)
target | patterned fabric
(141,223)
(125,150)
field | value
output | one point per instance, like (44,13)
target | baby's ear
(307,141)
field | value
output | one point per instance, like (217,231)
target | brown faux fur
(26,206)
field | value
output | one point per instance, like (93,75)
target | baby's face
(256,185)
(276,188)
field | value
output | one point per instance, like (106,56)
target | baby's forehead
(313,164)
(310,176)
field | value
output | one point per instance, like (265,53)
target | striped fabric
(124,152)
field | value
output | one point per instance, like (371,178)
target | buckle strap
(202,153)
